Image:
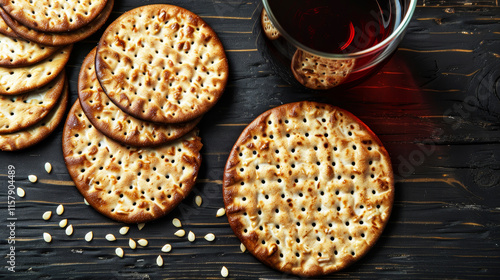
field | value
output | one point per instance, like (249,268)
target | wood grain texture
(435,105)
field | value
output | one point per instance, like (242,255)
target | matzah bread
(23,79)
(34,134)
(113,122)
(161,63)
(53,15)
(127,184)
(21,111)
(308,188)
(59,38)
(17,52)
(320,73)
(271,32)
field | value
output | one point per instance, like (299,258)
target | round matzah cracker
(116,124)
(34,134)
(59,38)
(271,32)
(128,184)
(53,15)
(161,63)
(23,79)
(308,188)
(17,52)
(320,73)
(21,111)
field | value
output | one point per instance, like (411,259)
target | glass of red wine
(331,44)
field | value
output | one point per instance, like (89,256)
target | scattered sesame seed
(69,230)
(48,167)
(143,242)
(177,223)
(210,237)
(243,248)
(32,178)
(47,237)
(46,216)
(159,261)
(180,233)
(132,244)
(191,236)
(20,192)
(89,236)
(221,212)
(119,252)
(141,225)
(198,200)
(224,272)
(63,223)
(166,248)
(60,209)
(110,237)
(124,230)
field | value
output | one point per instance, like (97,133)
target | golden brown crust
(33,135)
(59,38)
(21,111)
(116,124)
(53,15)
(6,30)
(320,73)
(271,32)
(23,79)
(308,188)
(161,63)
(124,183)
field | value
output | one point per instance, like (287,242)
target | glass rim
(396,33)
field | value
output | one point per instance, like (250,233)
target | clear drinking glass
(324,44)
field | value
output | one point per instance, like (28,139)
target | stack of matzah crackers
(55,22)
(130,141)
(36,40)
(308,188)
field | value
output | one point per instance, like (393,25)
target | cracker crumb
(141,225)
(85,201)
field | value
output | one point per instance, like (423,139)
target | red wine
(335,26)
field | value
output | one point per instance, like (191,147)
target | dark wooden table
(435,106)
